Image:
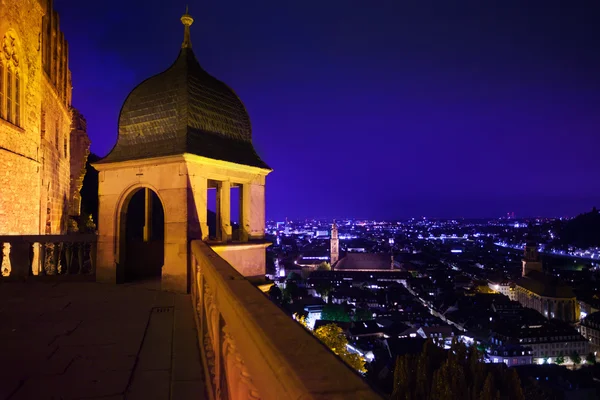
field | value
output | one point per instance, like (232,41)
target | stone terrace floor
(84,340)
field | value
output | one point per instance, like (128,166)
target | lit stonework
(335,245)
(35,120)
(183,135)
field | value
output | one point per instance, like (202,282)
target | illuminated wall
(35,120)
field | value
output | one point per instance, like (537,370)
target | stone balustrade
(251,349)
(22,256)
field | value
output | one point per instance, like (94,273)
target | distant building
(547,340)
(503,287)
(590,329)
(511,355)
(544,293)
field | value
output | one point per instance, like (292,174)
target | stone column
(108,254)
(245,206)
(257,211)
(198,208)
(224,211)
(147,215)
(174,272)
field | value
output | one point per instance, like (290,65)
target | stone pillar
(175,270)
(147,215)
(257,211)
(197,208)
(224,211)
(245,207)
(107,255)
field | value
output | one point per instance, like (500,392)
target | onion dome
(184,110)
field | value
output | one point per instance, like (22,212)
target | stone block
(248,259)
(150,385)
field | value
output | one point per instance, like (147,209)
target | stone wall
(56,170)
(20,22)
(18,213)
(35,177)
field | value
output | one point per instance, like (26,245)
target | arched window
(9,105)
(11,84)
(17,99)
(65,145)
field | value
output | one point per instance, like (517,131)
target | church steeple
(335,245)
(531,259)
(187,21)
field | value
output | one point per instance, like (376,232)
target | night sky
(376,109)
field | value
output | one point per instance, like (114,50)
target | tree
(335,312)
(489,391)
(275,294)
(324,288)
(362,314)
(291,292)
(324,266)
(301,320)
(590,358)
(560,360)
(333,337)
(459,373)
(294,277)
(576,358)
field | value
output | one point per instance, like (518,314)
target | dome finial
(187,21)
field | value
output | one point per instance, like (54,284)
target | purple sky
(376,109)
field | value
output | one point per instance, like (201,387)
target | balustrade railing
(252,350)
(22,256)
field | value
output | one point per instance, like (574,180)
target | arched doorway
(142,237)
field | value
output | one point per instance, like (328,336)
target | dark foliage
(454,374)
(89,190)
(582,231)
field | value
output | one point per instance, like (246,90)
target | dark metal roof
(545,285)
(365,261)
(184,110)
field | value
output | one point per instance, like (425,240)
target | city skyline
(393,111)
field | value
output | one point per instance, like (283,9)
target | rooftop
(545,285)
(365,261)
(184,110)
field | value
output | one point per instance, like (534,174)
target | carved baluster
(36,260)
(43,255)
(6,267)
(58,258)
(80,250)
(93,249)
(48,258)
(68,256)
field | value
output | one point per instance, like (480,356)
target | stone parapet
(252,350)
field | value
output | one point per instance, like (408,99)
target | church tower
(531,259)
(335,245)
